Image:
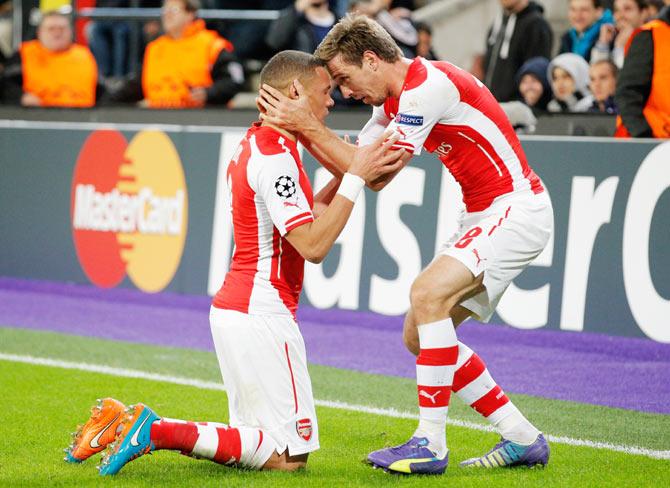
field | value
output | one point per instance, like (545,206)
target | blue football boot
(507,454)
(133,441)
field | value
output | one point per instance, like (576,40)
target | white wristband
(351,186)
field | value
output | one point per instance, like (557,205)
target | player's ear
(293,91)
(371,59)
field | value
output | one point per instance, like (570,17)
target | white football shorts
(264,369)
(501,242)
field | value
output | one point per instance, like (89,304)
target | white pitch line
(110,370)
(386,412)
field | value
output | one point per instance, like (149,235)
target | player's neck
(397,72)
(289,135)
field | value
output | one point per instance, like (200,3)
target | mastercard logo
(129,209)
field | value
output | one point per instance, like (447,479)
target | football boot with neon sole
(412,457)
(97,432)
(133,441)
(508,454)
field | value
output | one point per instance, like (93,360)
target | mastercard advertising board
(129,209)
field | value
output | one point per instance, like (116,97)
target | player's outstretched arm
(314,240)
(295,115)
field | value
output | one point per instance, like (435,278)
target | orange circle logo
(129,209)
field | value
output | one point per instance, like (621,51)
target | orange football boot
(98,432)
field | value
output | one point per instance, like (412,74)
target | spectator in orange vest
(642,92)
(628,16)
(52,71)
(188,66)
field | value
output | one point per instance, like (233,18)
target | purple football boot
(412,457)
(507,454)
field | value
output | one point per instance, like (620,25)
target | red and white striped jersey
(270,195)
(449,112)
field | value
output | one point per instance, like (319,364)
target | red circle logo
(129,209)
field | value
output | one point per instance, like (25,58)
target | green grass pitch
(41,405)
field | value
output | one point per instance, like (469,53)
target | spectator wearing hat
(533,84)
(569,76)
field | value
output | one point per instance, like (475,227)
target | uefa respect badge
(129,209)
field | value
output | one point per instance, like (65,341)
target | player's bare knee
(410,338)
(427,300)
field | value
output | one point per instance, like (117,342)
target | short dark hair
(352,36)
(423,27)
(595,3)
(642,4)
(286,66)
(657,4)
(614,69)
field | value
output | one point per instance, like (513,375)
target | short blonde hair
(355,34)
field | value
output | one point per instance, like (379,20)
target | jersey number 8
(467,237)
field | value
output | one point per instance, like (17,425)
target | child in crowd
(569,75)
(603,75)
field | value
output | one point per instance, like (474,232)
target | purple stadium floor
(618,372)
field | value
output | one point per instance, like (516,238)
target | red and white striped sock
(218,442)
(434,374)
(474,385)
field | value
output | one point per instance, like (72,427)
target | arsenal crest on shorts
(304,428)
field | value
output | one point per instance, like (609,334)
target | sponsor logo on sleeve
(408,119)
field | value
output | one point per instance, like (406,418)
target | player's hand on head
(377,159)
(288,113)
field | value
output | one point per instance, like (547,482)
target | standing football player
(508,222)
(277,224)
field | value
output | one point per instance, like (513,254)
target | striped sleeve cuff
(298,220)
(407,146)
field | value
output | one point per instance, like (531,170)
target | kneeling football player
(277,224)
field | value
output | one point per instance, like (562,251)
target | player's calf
(144,432)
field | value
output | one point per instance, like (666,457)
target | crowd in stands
(614,58)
